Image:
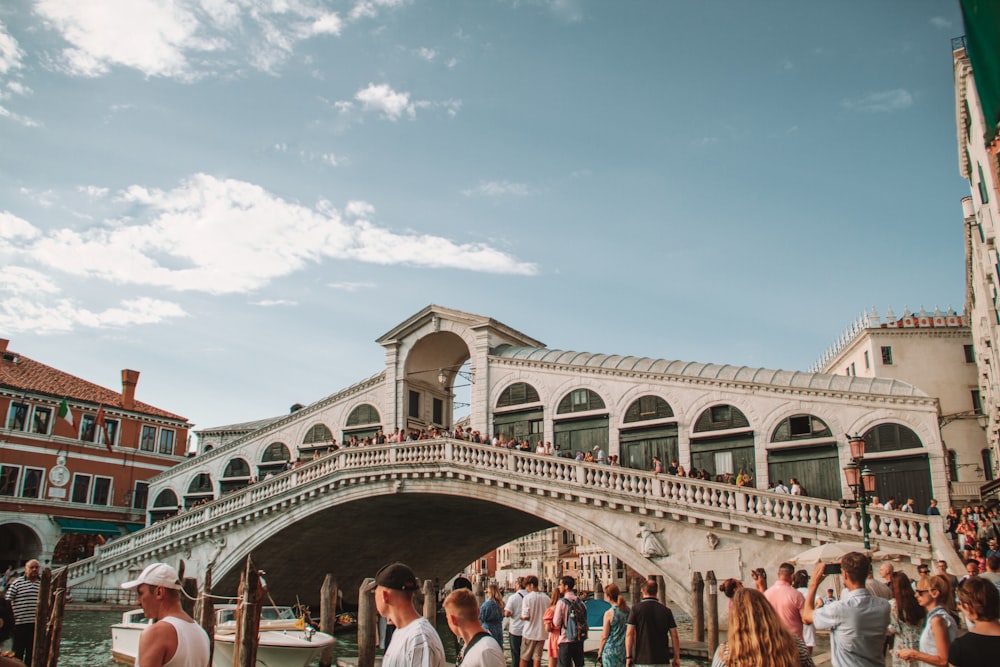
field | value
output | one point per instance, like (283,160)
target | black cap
(396,576)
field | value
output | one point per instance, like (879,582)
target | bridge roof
(720,372)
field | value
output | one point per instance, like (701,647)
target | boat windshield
(266,614)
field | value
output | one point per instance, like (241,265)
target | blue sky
(236,197)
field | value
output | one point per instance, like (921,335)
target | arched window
(889,438)
(516,394)
(318,434)
(276,452)
(166,499)
(646,408)
(721,418)
(202,483)
(987,464)
(580,400)
(236,468)
(801,427)
(363,414)
(952,465)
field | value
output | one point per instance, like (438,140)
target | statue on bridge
(649,544)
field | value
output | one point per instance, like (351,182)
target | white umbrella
(830,552)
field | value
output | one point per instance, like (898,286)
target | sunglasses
(921,591)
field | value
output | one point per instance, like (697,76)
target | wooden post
(598,589)
(698,607)
(661,590)
(206,612)
(713,611)
(53,629)
(477,590)
(430,603)
(40,647)
(251,600)
(366,623)
(637,583)
(327,615)
(189,595)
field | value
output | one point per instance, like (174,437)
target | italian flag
(65,413)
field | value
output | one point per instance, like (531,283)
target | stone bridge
(440,504)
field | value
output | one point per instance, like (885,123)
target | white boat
(284,639)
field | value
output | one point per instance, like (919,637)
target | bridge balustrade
(680,495)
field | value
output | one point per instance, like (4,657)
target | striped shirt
(23,596)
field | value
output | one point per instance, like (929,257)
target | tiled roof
(243,427)
(21,373)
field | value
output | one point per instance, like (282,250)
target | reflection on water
(86,640)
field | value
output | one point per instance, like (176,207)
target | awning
(132,527)
(88,527)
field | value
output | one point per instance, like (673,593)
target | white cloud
(940,22)
(885,101)
(63,315)
(22,280)
(267,303)
(499,189)
(329,158)
(13,228)
(27,121)
(228,236)
(184,39)
(348,286)
(427,54)
(384,99)
(10,53)
(93,191)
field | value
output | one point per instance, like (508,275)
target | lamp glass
(442,378)
(868,478)
(857,445)
(853,474)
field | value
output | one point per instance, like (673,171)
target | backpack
(576,620)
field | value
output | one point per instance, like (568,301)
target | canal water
(86,640)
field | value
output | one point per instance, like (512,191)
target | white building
(977,160)
(933,351)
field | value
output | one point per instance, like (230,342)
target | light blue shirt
(857,624)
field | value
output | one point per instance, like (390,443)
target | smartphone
(831,568)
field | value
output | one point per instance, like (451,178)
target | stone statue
(649,544)
(713,540)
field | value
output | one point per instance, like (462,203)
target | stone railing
(746,508)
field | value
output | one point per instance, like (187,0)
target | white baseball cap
(157,574)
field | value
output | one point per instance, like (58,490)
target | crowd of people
(974,531)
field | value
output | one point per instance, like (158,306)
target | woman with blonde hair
(757,637)
(553,631)
(940,628)
(491,613)
(611,652)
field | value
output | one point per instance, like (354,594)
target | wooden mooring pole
(698,607)
(327,615)
(251,597)
(205,610)
(713,611)
(430,602)
(366,623)
(40,646)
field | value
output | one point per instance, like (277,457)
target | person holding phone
(857,622)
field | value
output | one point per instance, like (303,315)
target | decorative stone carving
(650,545)
(713,540)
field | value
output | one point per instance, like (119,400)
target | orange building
(67,484)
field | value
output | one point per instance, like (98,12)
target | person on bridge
(534,638)
(857,622)
(786,600)
(479,648)
(174,639)
(23,597)
(415,642)
(651,633)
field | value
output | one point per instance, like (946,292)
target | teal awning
(88,527)
(132,527)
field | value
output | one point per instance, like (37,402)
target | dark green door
(722,455)
(581,435)
(903,478)
(816,468)
(640,445)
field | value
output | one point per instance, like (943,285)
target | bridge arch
(20,543)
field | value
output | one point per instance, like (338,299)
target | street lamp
(861,480)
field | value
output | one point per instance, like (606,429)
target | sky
(237,197)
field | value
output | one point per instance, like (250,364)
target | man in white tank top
(174,640)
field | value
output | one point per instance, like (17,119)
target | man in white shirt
(534,638)
(513,610)
(479,648)
(415,642)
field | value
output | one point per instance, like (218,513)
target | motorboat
(595,623)
(285,639)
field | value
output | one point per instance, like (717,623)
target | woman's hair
(942,586)
(614,595)
(800,579)
(493,591)
(907,607)
(554,598)
(982,596)
(730,586)
(757,637)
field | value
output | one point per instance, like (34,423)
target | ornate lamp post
(861,480)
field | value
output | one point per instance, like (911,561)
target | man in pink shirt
(787,601)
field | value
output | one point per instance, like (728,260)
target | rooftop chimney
(129,380)
(3,346)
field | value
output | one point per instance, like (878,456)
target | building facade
(977,97)
(933,351)
(66,483)
(715,419)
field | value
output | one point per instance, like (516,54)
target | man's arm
(676,641)
(629,643)
(157,645)
(808,605)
